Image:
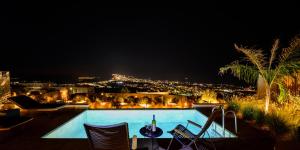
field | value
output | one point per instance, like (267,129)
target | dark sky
(59,40)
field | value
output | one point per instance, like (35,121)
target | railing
(235,121)
(223,118)
(222,109)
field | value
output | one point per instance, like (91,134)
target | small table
(148,133)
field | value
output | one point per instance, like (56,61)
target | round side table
(148,133)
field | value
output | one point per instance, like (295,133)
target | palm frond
(254,56)
(273,52)
(244,72)
(291,51)
(282,93)
(287,68)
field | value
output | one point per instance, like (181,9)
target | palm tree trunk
(268,96)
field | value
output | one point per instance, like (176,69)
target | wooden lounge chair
(111,137)
(27,103)
(186,138)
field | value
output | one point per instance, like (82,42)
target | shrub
(259,116)
(209,96)
(277,123)
(234,106)
(253,113)
(248,113)
(288,112)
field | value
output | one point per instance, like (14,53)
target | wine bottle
(153,124)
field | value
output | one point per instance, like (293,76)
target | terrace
(41,121)
(28,136)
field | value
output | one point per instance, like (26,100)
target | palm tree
(270,70)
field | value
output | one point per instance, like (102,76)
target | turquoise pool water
(165,119)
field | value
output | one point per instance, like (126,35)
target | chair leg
(170,144)
(196,145)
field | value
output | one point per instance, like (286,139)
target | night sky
(66,40)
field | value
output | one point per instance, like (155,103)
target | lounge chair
(186,138)
(27,103)
(111,137)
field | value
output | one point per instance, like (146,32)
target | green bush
(248,113)
(259,116)
(233,106)
(278,124)
(252,113)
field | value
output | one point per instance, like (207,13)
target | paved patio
(28,136)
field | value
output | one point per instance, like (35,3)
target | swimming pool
(165,119)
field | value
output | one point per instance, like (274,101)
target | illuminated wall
(4,86)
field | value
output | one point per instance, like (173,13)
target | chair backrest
(209,121)
(111,137)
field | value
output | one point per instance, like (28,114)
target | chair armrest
(194,123)
(182,133)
